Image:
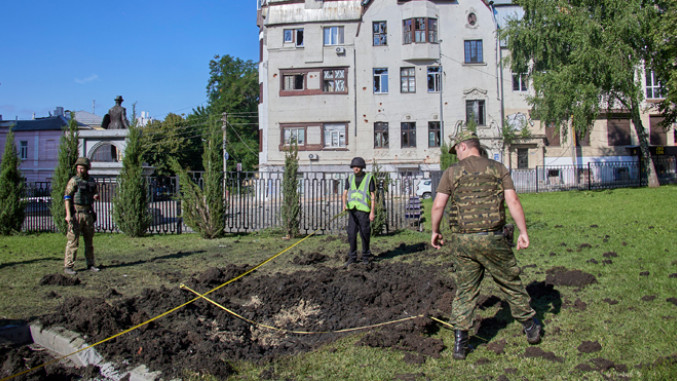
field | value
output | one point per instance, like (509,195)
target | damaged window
(334,81)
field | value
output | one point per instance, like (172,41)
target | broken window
(408,134)
(294,134)
(381,135)
(293,81)
(334,80)
(381,81)
(419,30)
(335,135)
(433,134)
(408,80)
(294,36)
(380,33)
(474,110)
(434,79)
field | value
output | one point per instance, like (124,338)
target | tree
(233,88)
(382,181)
(12,187)
(291,205)
(583,56)
(204,209)
(167,139)
(69,148)
(130,205)
(664,60)
(446,158)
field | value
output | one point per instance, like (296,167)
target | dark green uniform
(475,187)
(81,193)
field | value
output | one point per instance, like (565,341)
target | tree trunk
(648,166)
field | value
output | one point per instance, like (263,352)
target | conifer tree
(65,169)
(12,187)
(130,205)
(382,181)
(204,209)
(291,205)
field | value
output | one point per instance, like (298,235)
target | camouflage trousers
(472,255)
(82,223)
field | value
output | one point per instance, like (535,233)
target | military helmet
(83,161)
(460,138)
(358,162)
(119,98)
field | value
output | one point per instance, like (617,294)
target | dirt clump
(58,280)
(538,352)
(202,337)
(589,347)
(560,276)
(309,259)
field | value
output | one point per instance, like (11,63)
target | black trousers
(358,221)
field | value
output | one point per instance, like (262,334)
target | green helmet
(83,161)
(460,138)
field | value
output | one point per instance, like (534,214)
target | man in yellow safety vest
(359,199)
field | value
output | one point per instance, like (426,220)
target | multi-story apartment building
(390,80)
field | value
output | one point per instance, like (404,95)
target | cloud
(83,81)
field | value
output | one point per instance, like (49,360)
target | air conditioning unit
(340,50)
(313,156)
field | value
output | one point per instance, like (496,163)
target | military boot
(532,328)
(461,345)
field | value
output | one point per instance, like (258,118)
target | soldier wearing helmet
(81,192)
(359,200)
(478,188)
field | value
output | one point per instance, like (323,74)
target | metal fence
(254,200)
(253,203)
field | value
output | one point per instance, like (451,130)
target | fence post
(589,178)
(179,220)
(537,179)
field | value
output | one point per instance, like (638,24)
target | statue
(116,119)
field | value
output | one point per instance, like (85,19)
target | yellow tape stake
(452,327)
(170,311)
(183,286)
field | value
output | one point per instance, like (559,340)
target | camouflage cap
(460,138)
(83,161)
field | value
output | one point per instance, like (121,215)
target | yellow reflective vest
(359,198)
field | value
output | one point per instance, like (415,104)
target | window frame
(334,80)
(335,39)
(519,82)
(654,88)
(285,142)
(382,80)
(23,149)
(295,33)
(379,32)
(419,30)
(335,126)
(480,117)
(434,132)
(408,80)
(434,78)
(473,51)
(381,138)
(408,134)
(322,88)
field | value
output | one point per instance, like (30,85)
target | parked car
(424,188)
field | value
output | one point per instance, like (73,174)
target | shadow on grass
(30,261)
(177,255)
(402,249)
(544,298)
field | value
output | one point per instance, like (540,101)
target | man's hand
(522,241)
(436,240)
(68,218)
(372,216)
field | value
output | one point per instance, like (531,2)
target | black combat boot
(532,328)
(461,345)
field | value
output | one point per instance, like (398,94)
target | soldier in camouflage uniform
(479,188)
(81,192)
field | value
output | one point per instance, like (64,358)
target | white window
(23,149)
(295,134)
(381,81)
(474,110)
(381,135)
(333,35)
(434,79)
(407,80)
(654,89)
(334,135)
(334,81)
(294,36)
(293,81)
(380,33)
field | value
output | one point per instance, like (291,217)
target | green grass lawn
(627,311)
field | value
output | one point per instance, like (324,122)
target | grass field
(625,238)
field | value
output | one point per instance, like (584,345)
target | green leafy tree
(167,139)
(291,205)
(382,182)
(69,150)
(662,61)
(446,158)
(12,188)
(582,56)
(233,88)
(204,209)
(130,204)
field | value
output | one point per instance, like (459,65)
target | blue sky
(154,53)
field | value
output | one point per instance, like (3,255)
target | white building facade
(386,80)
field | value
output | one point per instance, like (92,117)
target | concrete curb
(63,342)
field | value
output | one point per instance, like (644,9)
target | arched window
(106,152)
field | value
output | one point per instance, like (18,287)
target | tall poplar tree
(584,57)
(291,204)
(130,205)
(12,187)
(69,150)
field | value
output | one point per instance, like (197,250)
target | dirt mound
(560,276)
(58,280)
(309,259)
(589,347)
(204,338)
